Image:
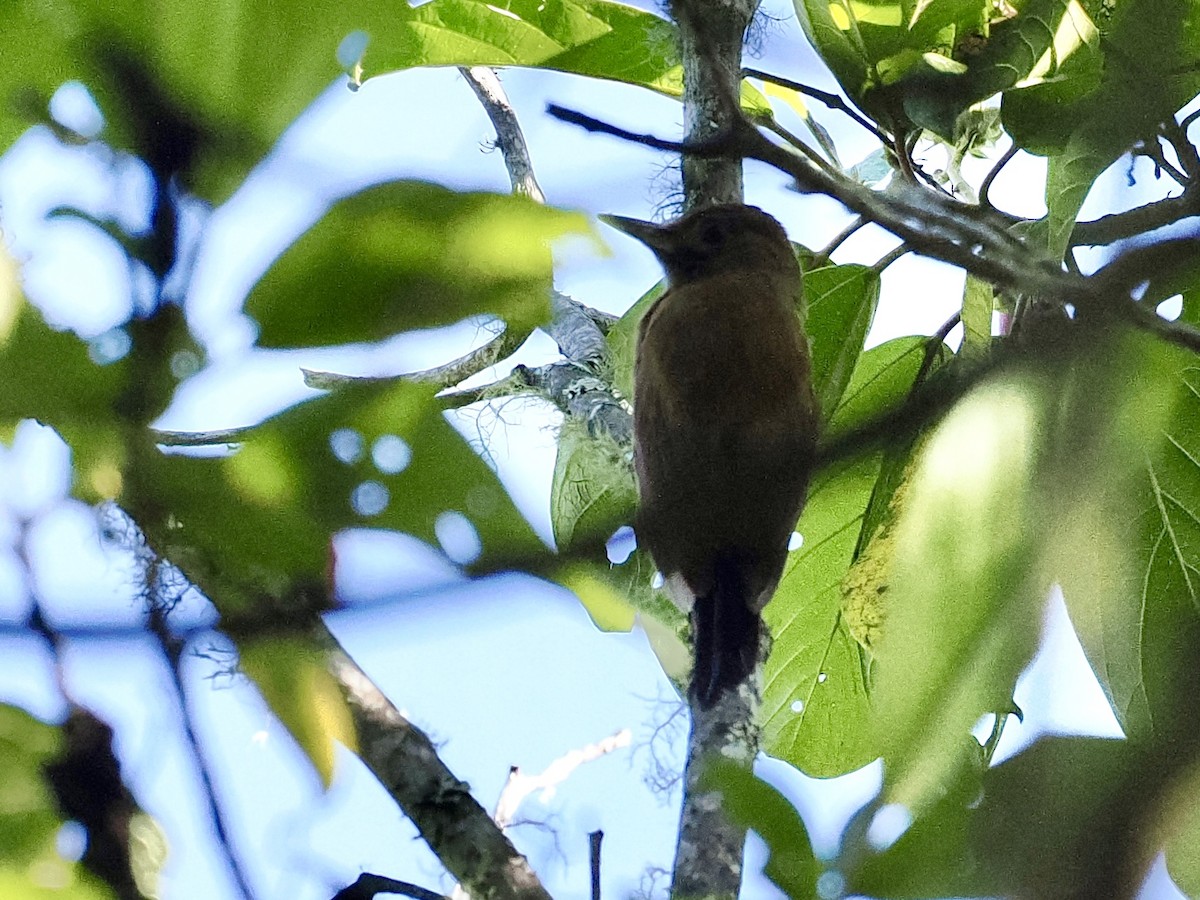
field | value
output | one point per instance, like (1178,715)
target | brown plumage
(725,426)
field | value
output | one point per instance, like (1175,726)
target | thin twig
(995,170)
(888,258)
(833,101)
(842,236)
(774,126)
(172,651)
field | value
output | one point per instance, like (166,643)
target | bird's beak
(653,236)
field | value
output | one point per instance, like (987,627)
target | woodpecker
(725,426)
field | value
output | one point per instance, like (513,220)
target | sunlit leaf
(294,680)
(406,255)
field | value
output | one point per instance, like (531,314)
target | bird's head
(715,240)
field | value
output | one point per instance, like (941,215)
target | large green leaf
(585,37)
(1134,595)
(257,524)
(406,255)
(598,38)
(816,709)
(841,303)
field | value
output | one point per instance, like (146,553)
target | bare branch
(485,82)
(519,785)
(469,844)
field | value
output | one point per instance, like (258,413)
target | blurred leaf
(841,305)
(258,523)
(406,255)
(609,609)
(750,802)
(293,678)
(963,606)
(28,817)
(593,492)
(932,856)
(48,376)
(1065,818)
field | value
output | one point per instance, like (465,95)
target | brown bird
(725,426)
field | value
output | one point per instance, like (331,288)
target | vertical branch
(710,37)
(708,856)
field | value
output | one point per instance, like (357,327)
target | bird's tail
(726,632)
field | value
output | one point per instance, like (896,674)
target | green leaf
(593,491)
(841,305)
(1183,847)
(623,336)
(839,48)
(1001,55)
(963,605)
(585,37)
(1132,588)
(1110,95)
(932,857)
(750,802)
(48,376)
(977,305)
(816,709)
(883,378)
(406,255)
(29,817)
(258,523)
(1057,820)
(292,676)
